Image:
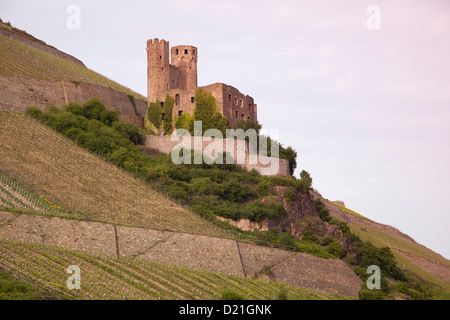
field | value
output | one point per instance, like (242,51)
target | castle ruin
(179,79)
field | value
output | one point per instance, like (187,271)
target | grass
(345,209)
(12,288)
(84,185)
(382,239)
(19,59)
(104,277)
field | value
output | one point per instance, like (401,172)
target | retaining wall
(196,251)
(238,148)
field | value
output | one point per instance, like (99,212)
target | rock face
(302,213)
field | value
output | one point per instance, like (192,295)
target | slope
(85,185)
(104,277)
(21,60)
(416,259)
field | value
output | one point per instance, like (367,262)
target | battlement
(157,41)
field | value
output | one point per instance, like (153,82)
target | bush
(305,182)
(234,192)
(308,235)
(289,195)
(326,241)
(336,250)
(154,114)
(324,213)
(263,188)
(34,112)
(168,109)
(283,294)
(178,192)
(374,294)
(231,295)
(258,211)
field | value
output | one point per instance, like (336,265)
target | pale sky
(362,95)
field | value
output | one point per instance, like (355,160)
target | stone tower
(178,78)
(158,69)
(184,58)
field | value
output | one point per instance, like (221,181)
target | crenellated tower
(158,69)
(178,78)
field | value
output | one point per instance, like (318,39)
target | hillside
(83,184)
(19,59)
(61,205)
(416,259)
(127,278)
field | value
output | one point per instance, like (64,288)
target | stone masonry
(16,94)
(196,251)
(179,79)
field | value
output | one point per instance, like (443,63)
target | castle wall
(16,94)
(179,79)
(240,149)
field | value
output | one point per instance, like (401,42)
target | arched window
(177,99)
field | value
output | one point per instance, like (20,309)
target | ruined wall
(179,79)
(231,103)
(239,150)
(16,94)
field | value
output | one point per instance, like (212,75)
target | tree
(206,112)
(168,109)
(305,181)
(154,114)
(248,124)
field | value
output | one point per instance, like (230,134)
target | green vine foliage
(167,119)
(154,114)
(183,121)
(206,111)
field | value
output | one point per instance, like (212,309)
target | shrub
(308,235)
(154,114)
(234,192)
(128,130)
(202,186)
(289,195)
(258,211)
(336,250)
(206,111)
(305,181)
(178,192)
(324,213)
(283,294)
(326,241)
(34,112)
(183,121)
(231,295)
(374,294)
(168,109)
(263,188)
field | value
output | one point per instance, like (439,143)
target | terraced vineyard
(111,278)
(18,59)
(84,184)
(13,195)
